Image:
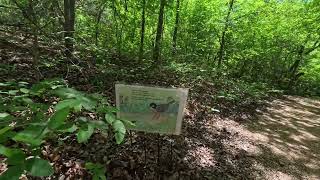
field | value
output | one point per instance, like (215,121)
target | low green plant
(30,115)
(97,170)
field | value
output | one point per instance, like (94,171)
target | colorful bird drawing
(159,109)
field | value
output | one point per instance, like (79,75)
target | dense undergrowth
(32,115)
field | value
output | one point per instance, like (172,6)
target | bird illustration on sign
(159,109)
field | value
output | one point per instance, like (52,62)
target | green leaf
(24,90)
(119,130)
(118,126)
(128,123)
(119,137)
(97,170)
(31,135)
(13,92)
(15,156)
(78,97)
(5,129)
(5,117)
(12,173)
(58,118)
(99,124)
(57,86)
(22,84)
(44,86)
(39,167)
(67,93)
(5,84)
(4,92)
(110,118)
(91,166)
(18,157)
(6,136)
(70,128)
(70,103)
(85,133)
(27,100)
(87,103)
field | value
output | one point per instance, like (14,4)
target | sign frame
(182,93)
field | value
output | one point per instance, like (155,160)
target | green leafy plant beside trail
(29,116)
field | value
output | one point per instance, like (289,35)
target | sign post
(152,110)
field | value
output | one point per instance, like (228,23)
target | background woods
(232,55)
(274,42)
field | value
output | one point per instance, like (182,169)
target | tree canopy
(270,41)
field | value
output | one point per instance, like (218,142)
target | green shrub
(31,115)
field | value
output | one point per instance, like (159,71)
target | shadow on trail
(202,151)
(289,138)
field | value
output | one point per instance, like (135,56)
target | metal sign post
(152,110)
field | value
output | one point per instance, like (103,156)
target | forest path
(283,141)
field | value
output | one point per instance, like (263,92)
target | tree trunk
(176,27)
(223,36)
(117,27)
(294,68)
(69,20)
(303,51)
(156,51)
(143,22)
(97,32)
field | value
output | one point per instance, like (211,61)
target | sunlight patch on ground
(270,174)
(283,142)
(293,147)
(203,156)
(277,175)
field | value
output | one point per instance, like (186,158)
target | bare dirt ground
(282,143)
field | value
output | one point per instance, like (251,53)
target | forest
(252,68)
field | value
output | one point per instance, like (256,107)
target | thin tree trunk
(69,20)
(303,51)
(223,37)
(36,54)
(143,26)
(176,27)
(156,51)
(97,32)
(294,68)
(117,29)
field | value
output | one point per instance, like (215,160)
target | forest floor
(281,142)
(276,139)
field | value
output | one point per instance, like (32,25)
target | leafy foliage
(97,170)
(273,42)
(25,120)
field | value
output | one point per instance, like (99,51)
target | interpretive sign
(152,109)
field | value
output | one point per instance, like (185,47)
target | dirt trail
(282,142)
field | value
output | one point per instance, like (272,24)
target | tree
(156,51)
(142,32)
(69,22)
(176,27)
(98,19)
(302,52)
(223,36)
